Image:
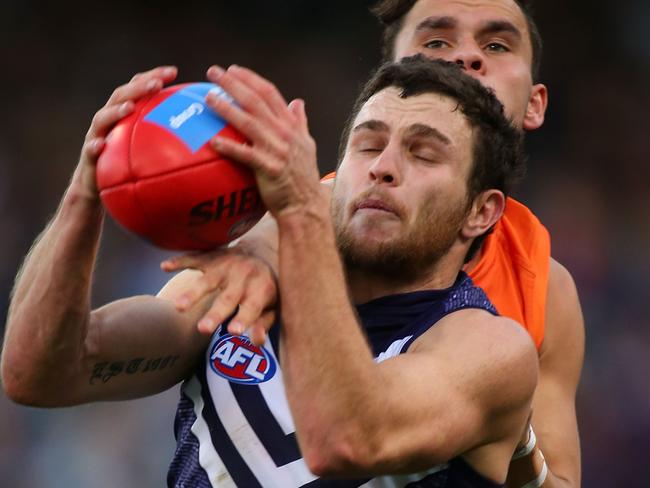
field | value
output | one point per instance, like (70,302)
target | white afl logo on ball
(176,121)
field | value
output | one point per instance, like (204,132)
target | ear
(485,212)
(536,110)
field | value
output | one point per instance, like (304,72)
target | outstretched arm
(58,352)
(554,410)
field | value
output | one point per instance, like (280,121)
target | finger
(258,331)
(245,97)
(193,295)
(143,84)
(135,90)
(107,117)
(248,155)
(240,152)
(250,310)
(257,130)
(262,87)
(223,306)
(184,261)
(165,73)
(93,148)
(297,108)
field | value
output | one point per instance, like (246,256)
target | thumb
(297,108)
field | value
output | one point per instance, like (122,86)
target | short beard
(407,257)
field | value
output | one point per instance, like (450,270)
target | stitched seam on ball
(166,173)
(136,192)
(215,159)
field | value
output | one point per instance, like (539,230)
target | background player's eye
(436,44)
(497,47)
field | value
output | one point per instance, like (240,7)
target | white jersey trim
(209,460)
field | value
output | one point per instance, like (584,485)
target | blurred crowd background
(588,181)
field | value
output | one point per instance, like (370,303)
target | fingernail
(182,303)
(206,324)
(233,67)
(216,71)
(237,328)
(152,85)
(125,108)
(169,71)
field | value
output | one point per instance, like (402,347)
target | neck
(365,285)
(474,261)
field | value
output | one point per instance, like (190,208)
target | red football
(158,176)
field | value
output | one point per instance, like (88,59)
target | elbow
(15,389)
(23,389)
(336,457)
(342,452)
(29,397)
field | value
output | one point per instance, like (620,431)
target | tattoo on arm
(104,371)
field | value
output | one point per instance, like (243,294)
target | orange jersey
(513,267)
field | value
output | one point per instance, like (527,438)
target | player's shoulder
(565,330)
(523,229)
(475,329)
(560,277)
(497,348)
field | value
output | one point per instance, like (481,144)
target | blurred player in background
(436,392)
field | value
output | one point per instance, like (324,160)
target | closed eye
(425,156)
(436,44)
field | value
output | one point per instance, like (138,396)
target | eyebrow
(494,26)
(436,23)
(447,23)
(427,132)
(372,125)
(413,130)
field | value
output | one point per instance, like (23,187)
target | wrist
(528,467)
(527,448)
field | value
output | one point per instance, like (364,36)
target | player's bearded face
(405,250)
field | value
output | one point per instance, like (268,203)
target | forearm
(532,471)
(320,334)
(46,329)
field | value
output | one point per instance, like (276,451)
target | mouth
(375,205)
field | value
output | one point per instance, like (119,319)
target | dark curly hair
(498,151)
(391,14)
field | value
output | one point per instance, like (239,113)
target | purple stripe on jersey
(283,448)
(185,470)
(236,466)
(331,483)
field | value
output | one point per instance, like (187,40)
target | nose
(385,168)
(471,57)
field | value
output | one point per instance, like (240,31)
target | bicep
(464,386)
(554,414)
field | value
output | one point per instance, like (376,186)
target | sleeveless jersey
(233,425)
(513,267)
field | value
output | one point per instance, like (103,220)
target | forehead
(469,13)
(432,109)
